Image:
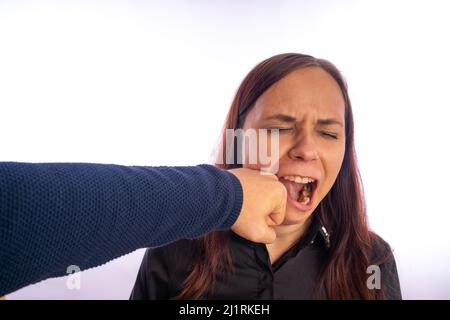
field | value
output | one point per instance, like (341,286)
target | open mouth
(301,191)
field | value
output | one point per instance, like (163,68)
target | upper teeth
(299,179)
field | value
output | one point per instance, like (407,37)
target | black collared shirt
(293,276)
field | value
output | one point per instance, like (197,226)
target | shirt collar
(318,229)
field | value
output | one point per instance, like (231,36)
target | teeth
(299,179)
(305,200)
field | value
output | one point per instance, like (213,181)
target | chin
(295,216)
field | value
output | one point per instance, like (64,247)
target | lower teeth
(305,195)
(305,200)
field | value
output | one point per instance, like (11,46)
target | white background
(150,83)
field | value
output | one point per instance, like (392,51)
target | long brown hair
(342,211)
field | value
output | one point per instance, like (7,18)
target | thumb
(276,217)
(270,235)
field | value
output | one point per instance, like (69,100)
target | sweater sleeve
(55,215)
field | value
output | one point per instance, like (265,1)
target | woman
(323,249)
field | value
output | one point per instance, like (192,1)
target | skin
(308,146)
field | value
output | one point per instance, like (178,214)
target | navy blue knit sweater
(53,215)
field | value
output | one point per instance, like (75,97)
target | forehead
(306,90)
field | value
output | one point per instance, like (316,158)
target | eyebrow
(287,118)
(329,121)
(281,117)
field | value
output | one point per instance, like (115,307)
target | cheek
(285,145)
(332,166)
(250,154)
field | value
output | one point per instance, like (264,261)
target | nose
(304,148)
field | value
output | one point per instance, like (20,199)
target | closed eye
(281,129)
(329,134)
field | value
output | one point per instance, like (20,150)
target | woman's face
(308,108)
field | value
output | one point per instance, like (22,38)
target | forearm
(53,215)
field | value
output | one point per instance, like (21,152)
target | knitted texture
(53,215)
